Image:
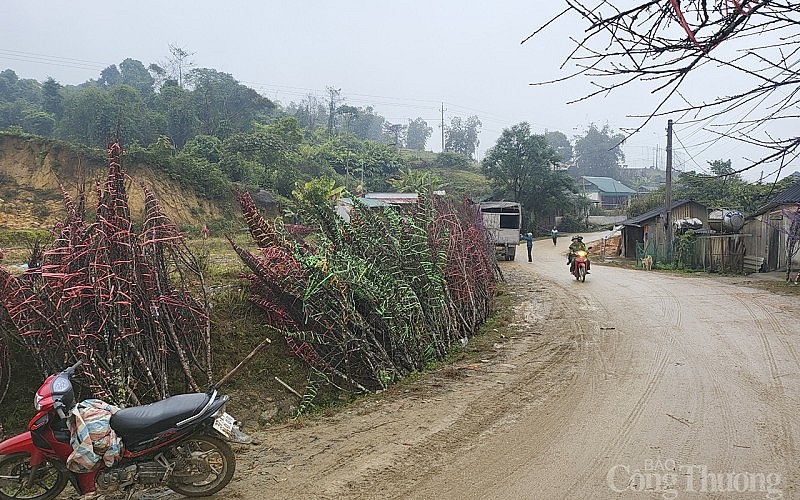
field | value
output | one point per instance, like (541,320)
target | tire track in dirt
(492,411)
(597,466)
(706,373)
(782,442)
(674,310)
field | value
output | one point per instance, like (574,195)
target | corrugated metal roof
(791,195)
(635,221)
(788,197)
(370,202)
(398,198)
(609,185)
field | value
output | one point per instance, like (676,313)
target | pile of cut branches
(118,300)
(370,300)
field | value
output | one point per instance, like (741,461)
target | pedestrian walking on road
(554,234)
(529,240)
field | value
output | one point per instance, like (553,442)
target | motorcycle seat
(159,416)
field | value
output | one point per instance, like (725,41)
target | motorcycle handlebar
(71,369)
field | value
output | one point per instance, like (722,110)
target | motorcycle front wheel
(15,472)
(207,465)
(582,272)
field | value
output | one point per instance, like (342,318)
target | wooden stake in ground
(246,360)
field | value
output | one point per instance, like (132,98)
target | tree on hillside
(598,152)
(38,122)
(266,156)
(179,113)
(395,133)
(109,77)
(521,166)
(310,112)
(223,105)
(134,74)
(20,100)
(89,116)
(348,114)
(354,159)
(461,136)
(417,134)
(179,63)
(368,125)
(52,100)
(137,123)
(748,48)
(559,142)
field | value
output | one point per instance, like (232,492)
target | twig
(290,389)
(246,360)
(681,420)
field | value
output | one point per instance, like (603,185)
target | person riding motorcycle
(576,245)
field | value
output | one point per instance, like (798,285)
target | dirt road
(633,384)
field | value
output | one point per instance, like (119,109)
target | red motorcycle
(580,265)
(178,442)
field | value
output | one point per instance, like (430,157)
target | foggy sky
(403,58)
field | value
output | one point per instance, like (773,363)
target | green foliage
(417,134)
(371,300)
(598,152)
(461,136)
(415,181)
(24,237)
(464,184)
(354,159)
(180,119)
(572,222)
(89,117)
(223,105)
(644,204)
(38,122)
(451,159)
(723,189)
(683,248)
(561,145)
(520,167)
(196,172)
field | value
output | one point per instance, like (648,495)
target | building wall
(721,252)
(653,234)
(768,235)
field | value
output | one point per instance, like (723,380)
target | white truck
(503,221)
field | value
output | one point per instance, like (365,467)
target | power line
(687,152)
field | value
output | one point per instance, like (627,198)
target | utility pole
(668,193)
(332,109)
(443,110)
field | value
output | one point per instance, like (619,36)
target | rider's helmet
(578,237)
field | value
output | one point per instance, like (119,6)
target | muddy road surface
(634,384)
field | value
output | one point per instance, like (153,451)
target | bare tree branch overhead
(750,49)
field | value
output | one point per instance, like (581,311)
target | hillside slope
(32,168)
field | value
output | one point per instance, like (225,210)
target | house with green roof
(605,191)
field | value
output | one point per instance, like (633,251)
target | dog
(647,262)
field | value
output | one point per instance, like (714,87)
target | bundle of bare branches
(121,301)
(371,300)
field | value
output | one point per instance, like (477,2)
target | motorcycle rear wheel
(208,455)
(15,470)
